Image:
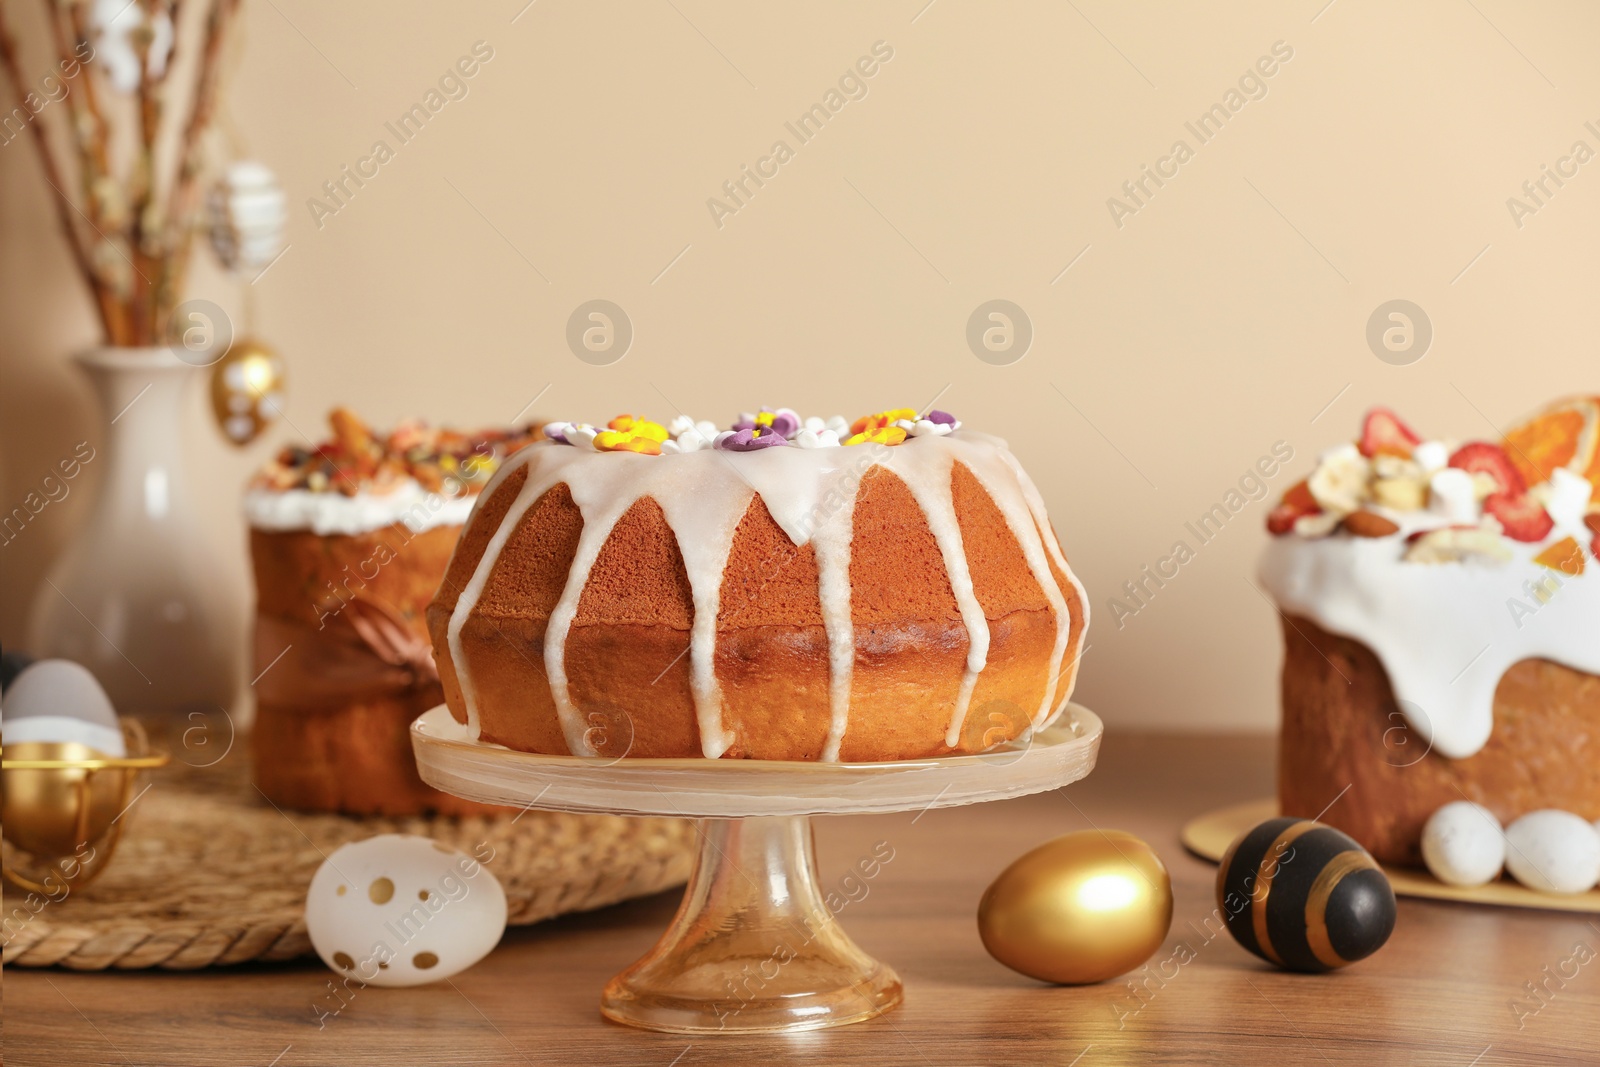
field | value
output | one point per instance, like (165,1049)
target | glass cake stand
(754,946)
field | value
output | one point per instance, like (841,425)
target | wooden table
(1445,991)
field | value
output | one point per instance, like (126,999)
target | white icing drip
(329,513)
(811,495)
(832,544)
(1444,632)
(704,523)
(1035,499)
(597,526)
(1001,476)
(930,485)
(526,496)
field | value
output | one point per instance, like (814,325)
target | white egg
(401,910)
(58,700)
(1553,852)
(1463,844)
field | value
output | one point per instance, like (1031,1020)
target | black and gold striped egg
(1304,896)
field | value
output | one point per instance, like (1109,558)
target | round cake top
(358,480)
(1450,561)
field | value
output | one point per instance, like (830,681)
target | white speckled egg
(1463,844)
(401,910)
(1553,852)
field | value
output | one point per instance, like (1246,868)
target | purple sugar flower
(747,441)
(944,418)
(785,424)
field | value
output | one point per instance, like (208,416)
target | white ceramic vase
(137,596)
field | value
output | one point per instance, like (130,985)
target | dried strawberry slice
(1480,457)
(1296,504)
(1384,434)
(1520,515)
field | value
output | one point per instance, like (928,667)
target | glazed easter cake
(785,589)
(1441,616)
(348,542)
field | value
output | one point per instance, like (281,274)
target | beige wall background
(1226,314)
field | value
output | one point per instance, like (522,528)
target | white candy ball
(1462,844)
(1553,852)
(401,910)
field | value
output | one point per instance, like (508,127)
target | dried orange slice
(1565,434)
(1564,556)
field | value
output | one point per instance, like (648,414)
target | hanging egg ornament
(1079,909)
(248,213)
(246,389)
(1304,896)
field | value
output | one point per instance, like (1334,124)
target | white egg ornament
(1464,845)
(402,910)
(56,700)
(1553,852)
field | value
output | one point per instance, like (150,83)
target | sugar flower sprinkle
(750,432)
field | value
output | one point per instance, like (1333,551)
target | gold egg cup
(755,946)
(58,798)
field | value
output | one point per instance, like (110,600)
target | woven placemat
(209,873)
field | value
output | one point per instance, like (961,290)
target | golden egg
(246,390)
(51,813)
(1079,909)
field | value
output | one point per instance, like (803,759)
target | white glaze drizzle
(991,464)
(1041,520)
(531,490)
(930,485)
(810,494)
(1444,632)
(330,513)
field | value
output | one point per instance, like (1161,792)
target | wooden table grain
(1453,988)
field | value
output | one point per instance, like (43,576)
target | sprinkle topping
(357,459)
(751,431)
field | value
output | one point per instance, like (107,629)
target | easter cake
(784,589)
(1441,617)
(348,541)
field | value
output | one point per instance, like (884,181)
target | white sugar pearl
(401,910)
(1553,852)
(1463,844)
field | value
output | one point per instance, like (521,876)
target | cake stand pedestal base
(754,946)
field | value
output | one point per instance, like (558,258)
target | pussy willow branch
(185,186)
(158,243)
(104,305)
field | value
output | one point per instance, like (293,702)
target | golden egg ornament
(247,387)
(1079,909)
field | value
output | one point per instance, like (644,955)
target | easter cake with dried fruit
(787,588)
(348,542)
(1441,618)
